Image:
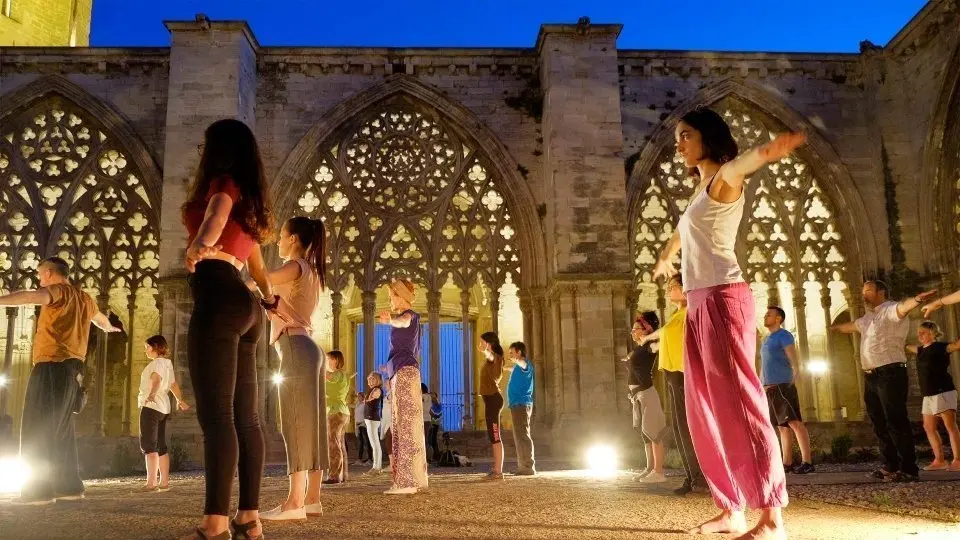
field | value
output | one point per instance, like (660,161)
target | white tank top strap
(708,235)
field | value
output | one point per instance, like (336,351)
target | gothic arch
(859,243)
(77,182)
(464,126)
(941,186)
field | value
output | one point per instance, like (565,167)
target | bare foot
(936,465)
(764,531)
(726,522)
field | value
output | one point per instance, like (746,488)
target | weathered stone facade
(576,139)
(57,23)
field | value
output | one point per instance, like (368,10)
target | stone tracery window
(68,189)
(403,194)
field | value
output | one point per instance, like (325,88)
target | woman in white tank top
(727,409)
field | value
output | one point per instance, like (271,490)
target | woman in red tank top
(227,216)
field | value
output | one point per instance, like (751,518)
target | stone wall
(47,23)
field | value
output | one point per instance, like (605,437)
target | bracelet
(271,306)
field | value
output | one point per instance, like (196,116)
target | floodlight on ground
(818,367)
(14,472)
(602,459)
(277,378)
(3,381)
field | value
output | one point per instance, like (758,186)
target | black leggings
(222,351)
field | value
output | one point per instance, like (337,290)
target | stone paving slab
(458,505)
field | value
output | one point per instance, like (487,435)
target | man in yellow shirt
(671,362)
(55,390)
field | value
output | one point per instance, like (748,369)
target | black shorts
(784,404)
(492,406)
(153,431)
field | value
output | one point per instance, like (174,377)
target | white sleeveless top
(708,236)
(298,301)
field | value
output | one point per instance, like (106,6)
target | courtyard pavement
(559,504)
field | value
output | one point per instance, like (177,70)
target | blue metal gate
(451,365)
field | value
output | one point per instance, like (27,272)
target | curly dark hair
(230,150)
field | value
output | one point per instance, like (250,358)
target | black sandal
(242,531)
(199,534)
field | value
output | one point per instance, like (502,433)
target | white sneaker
(279,514)
(654,478)
(643,474)
(314,510)
(401,491)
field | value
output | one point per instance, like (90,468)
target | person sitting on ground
(939,393)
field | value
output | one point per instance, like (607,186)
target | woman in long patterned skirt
(409,460)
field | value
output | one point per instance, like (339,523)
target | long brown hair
(312,236)
(230,150)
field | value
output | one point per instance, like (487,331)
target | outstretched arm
(40,297)
(102,322)
(912,349)
(908,305)
(845,328)
(734,173)
(947,300)
(953,347)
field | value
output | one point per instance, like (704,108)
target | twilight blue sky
(719,25)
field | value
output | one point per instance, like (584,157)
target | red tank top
(234,239)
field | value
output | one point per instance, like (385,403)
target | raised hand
(663,269)
(385,316)
(781,146)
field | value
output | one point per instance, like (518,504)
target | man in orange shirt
(55,389)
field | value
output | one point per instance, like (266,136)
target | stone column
(467,361)
(103,303)
(773,294)
(11,313)
(856,308)
(336,300)
(495,309)
(585,229)
(803,353)
(128,394)
(433,317)
(368,301)
(832,380)
(540,352)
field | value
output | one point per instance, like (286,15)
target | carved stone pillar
(369,303)
(773,294)
(495,309)
(8,355)
(803,351)
(336,300)
(467,361)
(834,390)
(661,305)
(128,396)
(103,302)
(433,316)
(856,308)
(540,352)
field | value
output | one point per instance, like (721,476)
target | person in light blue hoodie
(520,401)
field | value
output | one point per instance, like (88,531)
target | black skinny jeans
(222,351)
(885,395)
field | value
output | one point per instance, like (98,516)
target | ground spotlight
(277,378)
(14,472)
(3,380)
(602,459)
(818,367)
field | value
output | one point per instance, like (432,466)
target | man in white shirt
(883,333)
